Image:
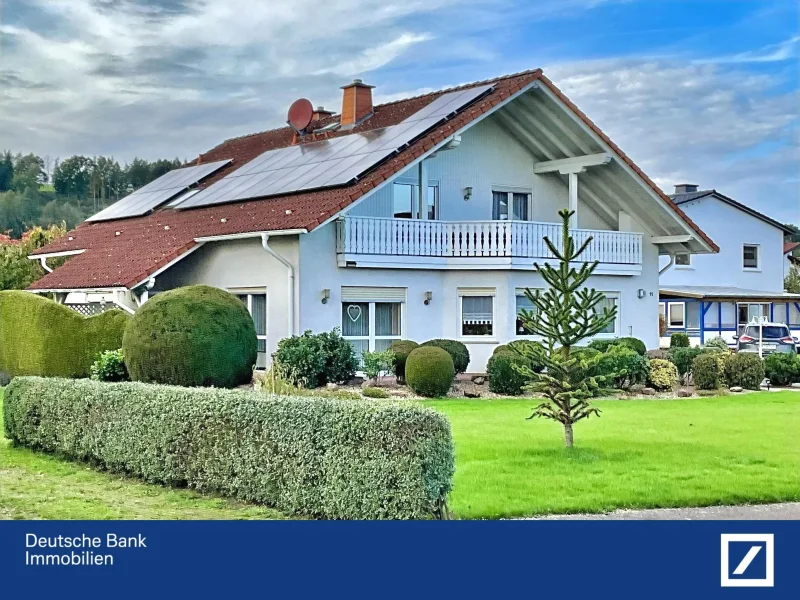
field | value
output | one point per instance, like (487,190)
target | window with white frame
(750,256)
(510,205)
(683,259)
(749,311)
(372,318)
(662,309)
(523,303)
(405,204)
(677,315)
(255,299)
(611,300)
(476,307)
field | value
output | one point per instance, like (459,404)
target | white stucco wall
(730,228)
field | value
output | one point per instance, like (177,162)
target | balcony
(414,244)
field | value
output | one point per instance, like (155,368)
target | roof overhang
(725,294)
(47,255)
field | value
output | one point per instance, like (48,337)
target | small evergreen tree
(566,313)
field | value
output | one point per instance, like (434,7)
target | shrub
(457,351)
(717,342)
(312,360)
(191,336)
(602,345)
(274,383)
(683,358)
(374,392)
(634,344)
(662,325)
(622,366)
(503,377)
(109,366)
(782,368)
(662,374)
(338,459)
(430,371)
(679,340)
(41,337)
(745,370)
(402,349)
(517,347)
(377,363)
(5,379)
(658,353)
(707,370)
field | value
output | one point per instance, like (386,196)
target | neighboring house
(791,260)
(415,219)
(720,294)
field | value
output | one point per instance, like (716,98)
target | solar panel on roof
(158,191)
(328,163)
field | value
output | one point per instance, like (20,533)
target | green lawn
(38,486)
(639,453)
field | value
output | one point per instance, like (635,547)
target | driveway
(787,511)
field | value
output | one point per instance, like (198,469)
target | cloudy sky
(698,91)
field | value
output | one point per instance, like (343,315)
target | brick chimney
(320,113)
(356,102)
(685,188)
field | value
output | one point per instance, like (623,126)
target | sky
(695,91)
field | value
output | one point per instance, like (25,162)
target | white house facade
(438,240)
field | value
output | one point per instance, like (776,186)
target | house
(414,219)
(720,294)
(791,259)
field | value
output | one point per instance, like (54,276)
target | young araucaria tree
(565,313)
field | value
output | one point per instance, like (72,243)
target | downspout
(290,272)
(43,262)
(669,264)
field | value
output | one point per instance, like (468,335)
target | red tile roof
(123,253)
(789,246)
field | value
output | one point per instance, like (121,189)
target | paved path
(788,511)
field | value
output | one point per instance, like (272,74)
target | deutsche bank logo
(748,559)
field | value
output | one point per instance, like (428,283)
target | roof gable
(691,197)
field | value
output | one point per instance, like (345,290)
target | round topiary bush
(191,336)
(457,351)
(662,374)
(634,344)
(430,371)
(401,349)
(503,377)
(707,370)
(744,369)
(679,340)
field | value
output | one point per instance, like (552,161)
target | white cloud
(786,50)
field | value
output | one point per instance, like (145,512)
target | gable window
(523,303)
(372,318)
(404,201)
(611,300)
(750,256)
(477,311)
(684,259)
(677,315)
(255,299)
(507,206)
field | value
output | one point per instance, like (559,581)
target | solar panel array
(158,191)
(328,163)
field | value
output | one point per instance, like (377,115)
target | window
(372,318)
(256,302)
(748,312)
(677,318)
(477,312)
(750,256)
(683,259)
(693,315)
(516,201)
(610,301)
(404,200)
(662,309)
(523,303)
(794,314)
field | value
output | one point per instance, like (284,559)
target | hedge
(339,459)
(782,368)
(503,377)
(744,369)
(707,370)
(41,337)
(401,349)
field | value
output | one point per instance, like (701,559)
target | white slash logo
(759,558)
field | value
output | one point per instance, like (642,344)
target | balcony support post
(573,200)
(422,196)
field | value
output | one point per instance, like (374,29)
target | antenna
(300,114)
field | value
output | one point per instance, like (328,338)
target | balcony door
(406,204)
(510,205)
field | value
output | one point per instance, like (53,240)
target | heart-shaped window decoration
(354,312)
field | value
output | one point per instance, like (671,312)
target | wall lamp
(641,293)
(467,192)
(326,294)
(428,298)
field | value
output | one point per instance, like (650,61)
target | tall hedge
(41,337)
(339,459)
(194,335)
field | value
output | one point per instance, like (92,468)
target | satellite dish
(300,114)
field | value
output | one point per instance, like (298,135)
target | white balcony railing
(511,239)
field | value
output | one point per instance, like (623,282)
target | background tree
(792,282)
(17,271)
(6,170)
(566,313)
(28,172)
(73,176)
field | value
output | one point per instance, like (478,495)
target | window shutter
(477,291)
(373,294)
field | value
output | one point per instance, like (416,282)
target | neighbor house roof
(124,253)
(681,199)
(714,292)
(789,246)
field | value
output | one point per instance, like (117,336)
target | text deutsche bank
(83,550)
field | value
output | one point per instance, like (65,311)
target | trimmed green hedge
(194,335)
(339,459)
(430,371)
(41,337)
(401,349)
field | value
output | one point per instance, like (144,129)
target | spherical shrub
(430,371)
(622,367)
(662,374)
(524,348)
(634,344)
(457,351)
(679,340)
(782,368)
(191,336)
(716,342)
(401,349)
(504,378)
(602,345)
(744,369)
(707,370)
